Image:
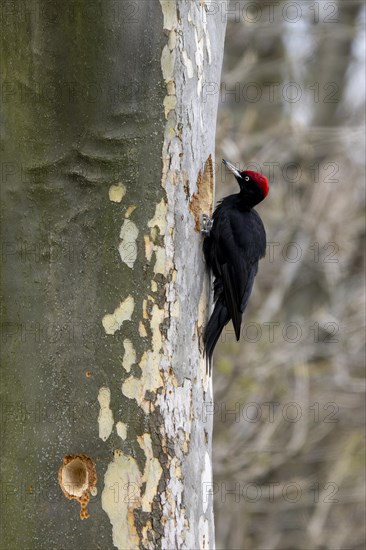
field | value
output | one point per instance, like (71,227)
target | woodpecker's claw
(206,225)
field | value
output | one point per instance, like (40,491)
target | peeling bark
(103,260)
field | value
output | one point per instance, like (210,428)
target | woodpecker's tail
(219,318)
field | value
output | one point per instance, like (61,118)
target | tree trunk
(108,144)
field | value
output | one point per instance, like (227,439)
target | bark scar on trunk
(201,201)
(77,478)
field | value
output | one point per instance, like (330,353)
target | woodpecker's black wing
(249,245)
(235,272)
(232,250)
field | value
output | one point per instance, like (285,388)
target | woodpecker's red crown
(261,180)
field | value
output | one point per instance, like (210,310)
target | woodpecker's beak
(233,168)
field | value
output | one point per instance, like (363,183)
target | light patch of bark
(149,248)
(128,245)
(120,496)
(113,321)
(121,428)
(117,192)
(130,211)
(169,9)
(152,472)
(129,357)
(105,418)
(160,217)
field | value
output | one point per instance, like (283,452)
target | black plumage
(232,249)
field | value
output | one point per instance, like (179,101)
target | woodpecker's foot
(206,225)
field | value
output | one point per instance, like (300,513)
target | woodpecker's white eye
(247,178)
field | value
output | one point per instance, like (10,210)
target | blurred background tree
(289,413)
